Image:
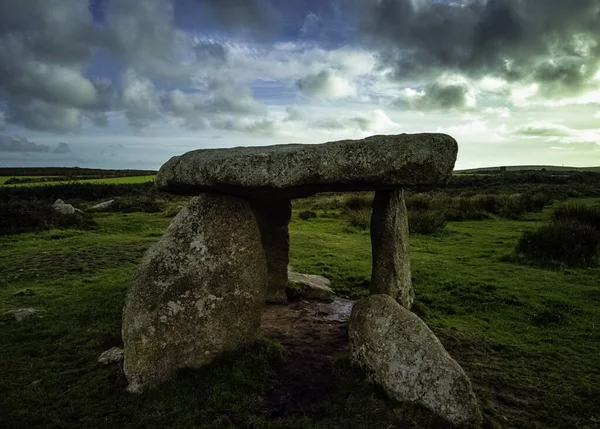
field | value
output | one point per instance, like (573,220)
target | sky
(130,83)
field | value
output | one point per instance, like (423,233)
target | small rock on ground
(113,355)
(311,286)
(102,206)
(24,292)
(21,314)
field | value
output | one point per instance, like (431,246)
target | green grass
(109,180)
(528,337)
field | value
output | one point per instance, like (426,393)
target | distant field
(108,180)
(514,168)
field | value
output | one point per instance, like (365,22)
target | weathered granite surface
(299,170)
(198,292)
(390,249)
(406,359)
(273,218)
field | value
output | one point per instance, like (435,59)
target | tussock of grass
(573,237)
(426,222)
(26,216)
(578,213)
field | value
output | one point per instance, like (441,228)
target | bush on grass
(426,222)
(307,214)
(360,218)
(578,213)
(357,202)
(563,241)
(29,216)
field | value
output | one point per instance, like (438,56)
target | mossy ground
(528,337)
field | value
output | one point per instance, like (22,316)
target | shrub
(307,214)
(571,242)
(77,192)
(26,216)
(359,218)
(536,202)
(418,202)
(466,209)
(488,203)
(579,213)
(513,206)
(426,222)
(358,202)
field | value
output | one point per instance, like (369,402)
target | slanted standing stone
(389,242)
(404,357)
(273,218)
(198,292)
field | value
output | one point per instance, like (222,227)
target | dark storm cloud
(553,42)
(20,144)
(46,47)
(211,53)
(438,95)
(23,145)
(256,16)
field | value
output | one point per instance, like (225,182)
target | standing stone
(198,292)
(390,250)
(273,218)
(403,356)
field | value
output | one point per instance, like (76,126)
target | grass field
(528,337)
(109,180)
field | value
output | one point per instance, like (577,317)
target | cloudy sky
(129,83)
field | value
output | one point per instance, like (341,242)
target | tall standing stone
(198,292)
(390,250)
(273,218)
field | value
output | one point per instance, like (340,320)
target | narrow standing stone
(389,243)
(273,218)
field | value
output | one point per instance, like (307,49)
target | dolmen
(200,291)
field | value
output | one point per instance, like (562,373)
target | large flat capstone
(300,170)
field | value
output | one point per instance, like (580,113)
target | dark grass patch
(76,192)
(426,222)
(563,241)
(553,313)
(26,216)
(578,213)
(307,214)
(72,261)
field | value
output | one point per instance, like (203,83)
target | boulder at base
(299,170)
(63,208)
(404,357)
(311,286)
(198,292)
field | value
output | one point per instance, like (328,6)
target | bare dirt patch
(314,334)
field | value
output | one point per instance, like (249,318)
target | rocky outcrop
(390,250)
(298,170)
(311,286)
(273,218)
(103,206)
(21,314)
(198,292)
(404,357)
(63,208)
(112,355)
